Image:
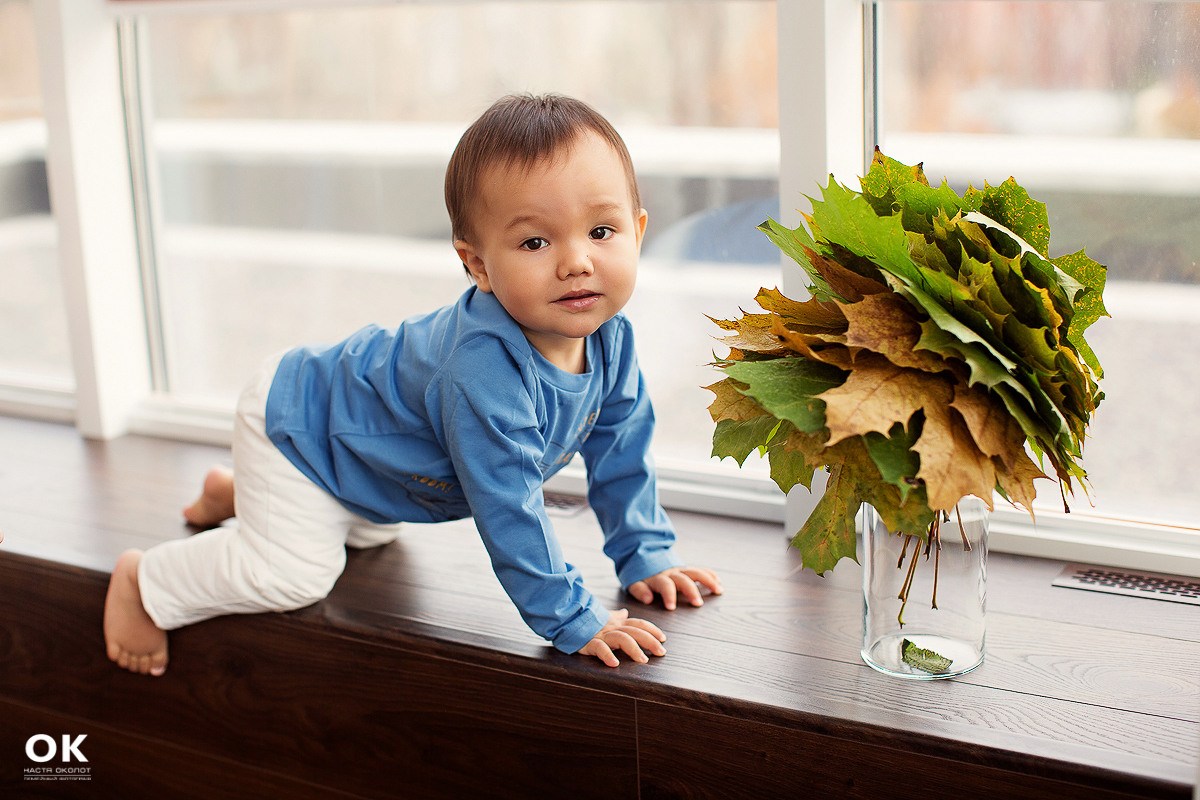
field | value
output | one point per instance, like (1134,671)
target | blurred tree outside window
(1095,108)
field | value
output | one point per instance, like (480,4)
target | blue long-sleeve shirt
(454,414)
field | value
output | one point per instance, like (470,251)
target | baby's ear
(473,263)
(640,220)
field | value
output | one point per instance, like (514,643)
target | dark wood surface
(417,660)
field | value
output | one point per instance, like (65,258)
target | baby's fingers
(706,578)
(625,641)
(664,584)
(598,648)
(686,587)
(641,591)
(646,625)
(647,640)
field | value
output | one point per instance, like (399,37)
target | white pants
(285,549)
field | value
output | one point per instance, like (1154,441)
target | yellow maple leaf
(751,332)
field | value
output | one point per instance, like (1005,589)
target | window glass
(299,160)
(1095,109)
(33,326)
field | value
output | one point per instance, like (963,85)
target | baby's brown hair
(520,130)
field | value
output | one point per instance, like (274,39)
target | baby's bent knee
(289,590)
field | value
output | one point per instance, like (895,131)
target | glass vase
(924,597)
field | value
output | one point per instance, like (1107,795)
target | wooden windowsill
(417,658)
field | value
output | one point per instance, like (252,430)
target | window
(1094,108)
(299,160)
(282,153)
(34,350)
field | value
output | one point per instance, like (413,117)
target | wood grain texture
(273,693)
(763,646)
(741,759)
(417,665)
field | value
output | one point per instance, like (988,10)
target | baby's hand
(630,635)
(676,581)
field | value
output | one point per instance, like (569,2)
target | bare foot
(215,504)
(134,642)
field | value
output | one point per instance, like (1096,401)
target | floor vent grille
(1151,585)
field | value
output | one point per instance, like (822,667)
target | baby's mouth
(578,300)
(576,295)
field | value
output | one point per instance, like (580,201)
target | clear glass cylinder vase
(924,598)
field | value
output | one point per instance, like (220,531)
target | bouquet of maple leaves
(940,339)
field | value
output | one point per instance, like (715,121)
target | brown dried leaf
(812,313)
(826,348)
(847,283)
(731,403)
(752,332)
(886,324)
(995,432)
(1015,474)
(951,465)
(877,395)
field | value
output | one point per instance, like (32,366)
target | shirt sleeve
(488,423)
(622,488)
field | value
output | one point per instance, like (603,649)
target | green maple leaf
(1089,306)
(1011,206)
(894,456)
(787,387)
(1038,345)
(887,175)
(737,439)
(845,217)
(798,245)
(988,299)
(927,252)
(828,535)
(920,204)
(790,464)
(1059,287)
(949,338)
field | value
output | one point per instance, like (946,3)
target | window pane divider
(88,164)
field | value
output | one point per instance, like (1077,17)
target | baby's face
(558,245)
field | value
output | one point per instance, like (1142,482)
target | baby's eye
(534,244)
(602,232)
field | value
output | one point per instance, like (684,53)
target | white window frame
(824,117)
